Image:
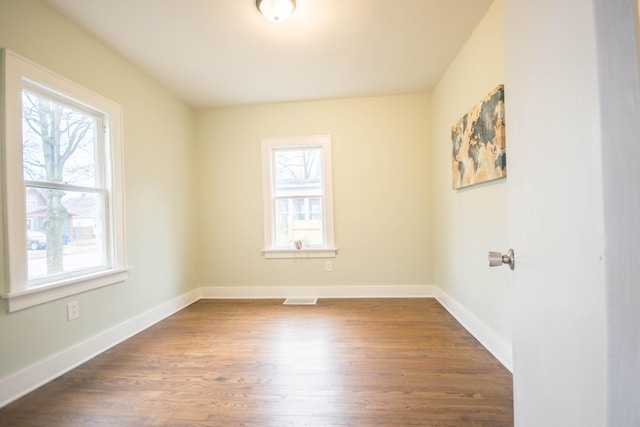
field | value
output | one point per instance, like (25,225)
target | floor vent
(300,301)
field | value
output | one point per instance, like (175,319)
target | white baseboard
(28,379)
(266,292)
(20,383)
(495,344)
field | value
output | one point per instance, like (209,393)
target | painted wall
(159,177)
(381,180)
(470,222)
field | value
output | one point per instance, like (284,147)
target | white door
(555,213)
(562,84)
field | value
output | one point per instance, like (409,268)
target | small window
(64,198)
(298,205)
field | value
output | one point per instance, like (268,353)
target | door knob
(496,259)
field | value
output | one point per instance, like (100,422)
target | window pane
(65,231)
(58,142)
(298,221)
(298,172)
(298,209)
(315,209)
(282,212)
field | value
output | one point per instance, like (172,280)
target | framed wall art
(479,152)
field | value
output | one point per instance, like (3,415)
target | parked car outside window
(36,240)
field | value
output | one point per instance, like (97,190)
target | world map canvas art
(479,153)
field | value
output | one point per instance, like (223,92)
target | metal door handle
(496,259)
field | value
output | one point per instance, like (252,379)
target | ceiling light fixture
(276,10)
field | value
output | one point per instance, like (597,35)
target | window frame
(20,294)
(269,147)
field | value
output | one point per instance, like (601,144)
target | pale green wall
(159,180)
(381,180)
(470,222)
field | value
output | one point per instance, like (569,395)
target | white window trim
(268,144)
(15,70)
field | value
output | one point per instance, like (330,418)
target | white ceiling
(223,52)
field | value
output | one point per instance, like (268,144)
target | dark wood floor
(350,362)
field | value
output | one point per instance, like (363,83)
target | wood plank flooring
(258,363)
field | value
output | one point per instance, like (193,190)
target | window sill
(300,253)
(40,295)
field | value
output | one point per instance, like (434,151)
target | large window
(298,205)
(63,186)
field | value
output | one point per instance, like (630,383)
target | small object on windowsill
(298,244)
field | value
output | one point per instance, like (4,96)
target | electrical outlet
(73,310)
(328,266)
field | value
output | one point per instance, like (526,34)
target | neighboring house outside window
(298,201)
(63,185)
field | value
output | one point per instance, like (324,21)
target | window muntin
(63,186)
(298,196)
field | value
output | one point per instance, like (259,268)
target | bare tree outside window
(298,167)
(59,148)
